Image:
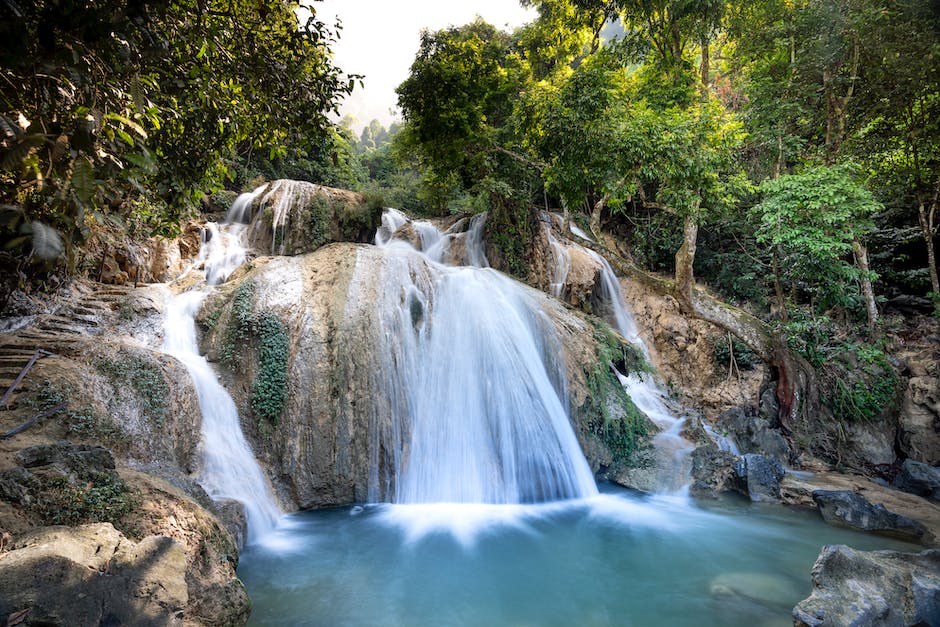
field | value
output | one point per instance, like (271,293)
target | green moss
(143,377)
(81,421)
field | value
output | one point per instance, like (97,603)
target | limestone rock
(848,509)
(919,478)
(714,472)
(232,515)
(78,458)
(920,420)
(872,589)
(93,575)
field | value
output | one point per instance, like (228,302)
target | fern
(83,180)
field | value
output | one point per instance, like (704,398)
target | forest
(774,165)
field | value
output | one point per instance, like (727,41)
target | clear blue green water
(618,559)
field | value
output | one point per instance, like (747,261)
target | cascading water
(229,469)
(478,413)
(673,449)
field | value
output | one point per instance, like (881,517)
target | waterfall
(229,468)
(647,395)
(476,408)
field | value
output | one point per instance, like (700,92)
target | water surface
(616,559)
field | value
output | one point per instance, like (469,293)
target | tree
(817,218)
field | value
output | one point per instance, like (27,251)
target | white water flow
(229,468)
(672,449)
(469,379)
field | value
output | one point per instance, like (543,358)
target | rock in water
(919,478)
(869,589)
(714,472)
(763,476)
(848,509)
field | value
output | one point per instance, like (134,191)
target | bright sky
(380,39)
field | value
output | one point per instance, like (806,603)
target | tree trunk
(928,229)
(685,259)
(778,287)
(868,292)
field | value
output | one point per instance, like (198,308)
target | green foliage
(316,221)
(239,328)
(99,497)
(130,111)
(812,219)
(134,375)
(269,389)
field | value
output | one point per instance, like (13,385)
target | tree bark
(868,292)
(685,260)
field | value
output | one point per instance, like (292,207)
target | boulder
(82,459)
(872,589)
(919,478)
(763,476)
(232,515)
(714,472)
(847,509)
(93,575)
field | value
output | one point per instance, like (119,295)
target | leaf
(17,618)
(129,123)
(47,243)
(83,179)
(60,147)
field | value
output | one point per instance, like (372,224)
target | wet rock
(714,472)
(93,575)
(763,476)
(753,433)
(847,509)
(869,589)
(919,478)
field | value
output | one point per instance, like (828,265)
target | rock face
(293,217)
(93,575)
(324,445)
(919,478)
(920,419)
(871,589)
(848,509)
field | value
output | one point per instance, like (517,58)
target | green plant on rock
(144,379)
(81,421)
(317,221)
(99,497)
(625,434)
(731,350)
(269,389)
(859,384)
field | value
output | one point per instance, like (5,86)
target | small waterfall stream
(229,469)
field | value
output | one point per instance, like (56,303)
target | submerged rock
(93,575)
(869,589)
(919,478)
(848,509)
(762,588)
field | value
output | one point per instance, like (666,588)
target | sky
(380,39)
